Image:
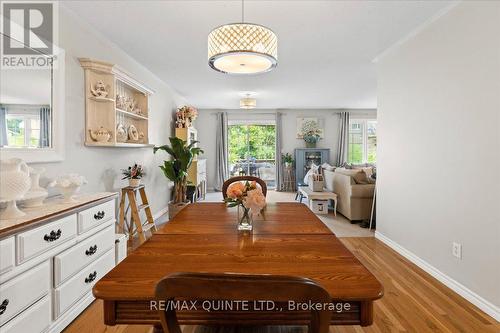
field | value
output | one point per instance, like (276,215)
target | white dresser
(51,258)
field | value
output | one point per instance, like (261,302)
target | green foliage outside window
(357,149)
(251,141)
(15,132)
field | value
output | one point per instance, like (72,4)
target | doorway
(252,149)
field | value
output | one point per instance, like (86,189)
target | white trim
(416,31)
(160,213)
(483,304)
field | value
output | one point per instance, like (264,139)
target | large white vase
(37,194)
(14,183)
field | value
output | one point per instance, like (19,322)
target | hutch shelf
(116,107)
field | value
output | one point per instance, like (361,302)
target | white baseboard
(486,306)
(160,213)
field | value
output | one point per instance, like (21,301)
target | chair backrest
(241,287)
(231,180)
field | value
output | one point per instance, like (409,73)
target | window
(26,125)
(23,130)
(252,150)
(362,141)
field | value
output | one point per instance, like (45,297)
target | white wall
(206,125)
(439,146)
(101,166)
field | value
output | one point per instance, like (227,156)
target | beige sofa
(354,200)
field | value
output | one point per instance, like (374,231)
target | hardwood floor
(413,301)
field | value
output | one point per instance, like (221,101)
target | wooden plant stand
(135,220)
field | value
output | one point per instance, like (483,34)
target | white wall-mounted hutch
(116,107)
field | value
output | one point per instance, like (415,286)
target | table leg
(335,207)
(157,328)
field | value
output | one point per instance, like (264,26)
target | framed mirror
(32,111)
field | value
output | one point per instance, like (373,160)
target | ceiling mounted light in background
(242,48)
(248,103)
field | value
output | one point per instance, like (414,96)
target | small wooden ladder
(130,192)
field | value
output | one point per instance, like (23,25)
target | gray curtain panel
(222,151)
(279,164)
(44,127)
(3,126)
(343,139)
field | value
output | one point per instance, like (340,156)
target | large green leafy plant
(176,169)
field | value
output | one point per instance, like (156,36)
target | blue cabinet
(304,157)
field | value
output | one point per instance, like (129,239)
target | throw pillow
(360,177)
(368,171)
(327,166)
(313,170)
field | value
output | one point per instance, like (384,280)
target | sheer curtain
(279,164)
(44,127)
(222,151)
(343,139)
(3,126)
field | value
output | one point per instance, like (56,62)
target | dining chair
(231,180)
(241,287)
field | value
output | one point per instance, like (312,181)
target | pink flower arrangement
(185,116)
(248,195)
(235,190)
(191,112)
(255,200)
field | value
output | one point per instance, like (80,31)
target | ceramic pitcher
(14,179)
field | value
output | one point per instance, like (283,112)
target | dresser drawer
(72,260)
(22,291)
(77,286)
(7,254)
(35,319)
(38,240)
(94,216)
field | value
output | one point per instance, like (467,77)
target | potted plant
(310,133)
(133,174)
(176,170)
(287,160)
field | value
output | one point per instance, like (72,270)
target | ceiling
(325,48)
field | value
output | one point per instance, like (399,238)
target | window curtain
(279,164)
(343,139)
(44,127)
(3,126)
(222,151)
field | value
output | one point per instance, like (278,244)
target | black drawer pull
(99,215)
(54,235)
(91,277)
(91,250)
(3,306)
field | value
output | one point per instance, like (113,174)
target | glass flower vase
(244,218)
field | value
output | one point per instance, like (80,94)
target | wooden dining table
(287,239)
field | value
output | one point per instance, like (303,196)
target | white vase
(14,183)
(132,182)
(37,194)
(35,179)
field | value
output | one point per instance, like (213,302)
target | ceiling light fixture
(242,48)
(248,103)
